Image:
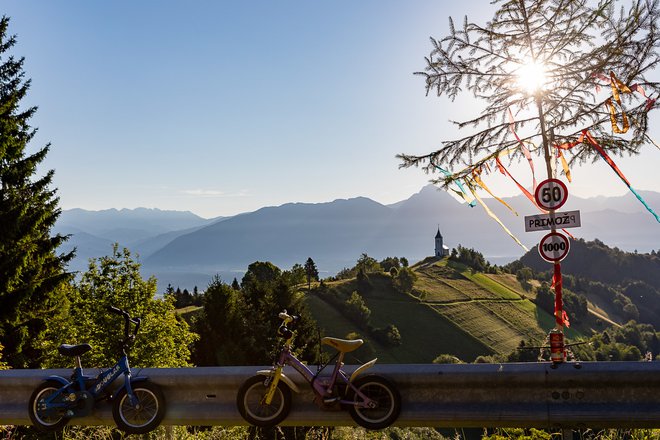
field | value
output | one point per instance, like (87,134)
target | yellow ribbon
(564,165)
(493,216)
(617,88)
(478,181)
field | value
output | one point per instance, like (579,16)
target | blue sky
(222,107)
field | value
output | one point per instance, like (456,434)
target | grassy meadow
(450,310)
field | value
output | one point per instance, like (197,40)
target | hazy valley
(185,250)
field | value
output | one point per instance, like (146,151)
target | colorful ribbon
(463,193)
(494,217)
(522,188)
(561,318)
(476,175)
(618,87)
(586,135)
(618,172)
(524,149)
(564,165)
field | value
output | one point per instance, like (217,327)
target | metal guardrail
(569,395)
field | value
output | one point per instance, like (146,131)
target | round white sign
(554,247)
(551,194)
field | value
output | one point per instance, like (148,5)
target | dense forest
(625,284)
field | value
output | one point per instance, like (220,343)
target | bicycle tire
(250,406)
(41,420)
(144,417)
(386,396)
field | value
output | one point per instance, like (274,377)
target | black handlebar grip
(115,310)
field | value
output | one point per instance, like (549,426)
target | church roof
(438,235)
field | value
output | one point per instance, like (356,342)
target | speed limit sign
(554,247)
(551,194)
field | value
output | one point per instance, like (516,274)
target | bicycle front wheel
(144,416)
(385,405)
(251,405)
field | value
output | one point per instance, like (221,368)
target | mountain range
(185,250)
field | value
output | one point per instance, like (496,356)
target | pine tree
(579,52)
(311,272)
(31,270)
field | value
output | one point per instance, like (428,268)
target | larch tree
(31,270)
(551,76)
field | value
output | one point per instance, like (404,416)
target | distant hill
(610,278)
(185,250)
(335,233)
(111,223)
(596,261)
(141,230)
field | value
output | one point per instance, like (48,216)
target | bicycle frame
(100,384)
(96,387)
(320,388)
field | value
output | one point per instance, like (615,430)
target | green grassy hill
(450,310)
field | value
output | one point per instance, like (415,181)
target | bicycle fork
(271,382)
(132,398)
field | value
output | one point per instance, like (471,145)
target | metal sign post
(551,194)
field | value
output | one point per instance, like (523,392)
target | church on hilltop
(440,249)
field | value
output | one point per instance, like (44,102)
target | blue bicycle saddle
(73,350)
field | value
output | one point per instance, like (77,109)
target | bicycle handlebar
(127,323)
(284,316)
(283,330)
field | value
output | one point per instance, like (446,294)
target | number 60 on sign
(554,247)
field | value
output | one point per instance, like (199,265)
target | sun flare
(531,77)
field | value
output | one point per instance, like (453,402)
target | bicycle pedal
(330,400)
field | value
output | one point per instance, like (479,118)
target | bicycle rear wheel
(386,402)
(45,419)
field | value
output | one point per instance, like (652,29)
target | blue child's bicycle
(138,404)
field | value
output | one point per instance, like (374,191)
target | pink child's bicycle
(265,399)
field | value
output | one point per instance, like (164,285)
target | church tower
(440,249)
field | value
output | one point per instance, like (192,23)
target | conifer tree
(311,272)
(31,270)
(591,66)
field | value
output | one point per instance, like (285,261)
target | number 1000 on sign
(554,247)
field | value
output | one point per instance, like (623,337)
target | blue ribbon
(471,204)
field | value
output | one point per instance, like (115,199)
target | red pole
(557,336)
(559,306)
